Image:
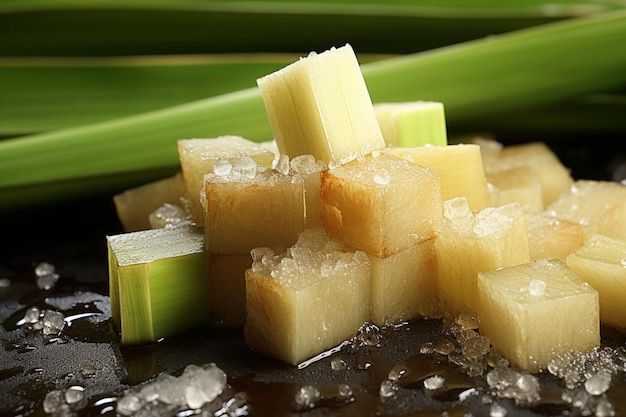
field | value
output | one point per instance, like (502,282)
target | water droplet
(44,268)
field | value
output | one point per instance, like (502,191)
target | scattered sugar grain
(338,364)
(307,396)
(434,382)
(537,288)
(47,282)
(53,401)
(44,268)
(74,394)
(32,315)
(387,389)
(598,384)
(5,283)
(53,322)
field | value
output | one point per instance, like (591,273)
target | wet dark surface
(71,236)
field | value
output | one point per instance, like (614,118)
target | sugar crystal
(222,167)
(537,288)
(307,396)
(44,268)
(434,382)
(598,384)
(5,283)
(53,322)
(338,364)
(32,315)
(387,389)
(129,404)
(47,282)
(53,401)
(74,394)
(282,165)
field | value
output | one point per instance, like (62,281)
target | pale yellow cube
(307,300)
(552,238)
(469,243)
(516,185)
(243,212)
(380,204)
(534,311)
(598,206)
(197,158)
(135,205)
(460,168)
(404,285)
(602,263)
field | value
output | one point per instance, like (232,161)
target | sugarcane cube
(380,204)
(535,311)
(519,185)
(552,238)
(460,168)
(598,206)
(602,263)
(469,243)
(134,206)
(197,157)
(404,285)
(306,300)
(248,206)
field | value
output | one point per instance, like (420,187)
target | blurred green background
(94,94)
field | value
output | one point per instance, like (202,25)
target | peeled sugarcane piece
(552,238)
(158,283)
(469,243)
(602,263)
(380,204)
(516,185)
(306,300)
(197,157)
(135,205)
(460,168)
(404,285)
(598,206)
(319,105)
(249,206)
(412,123)
(535,311)
(554,177)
